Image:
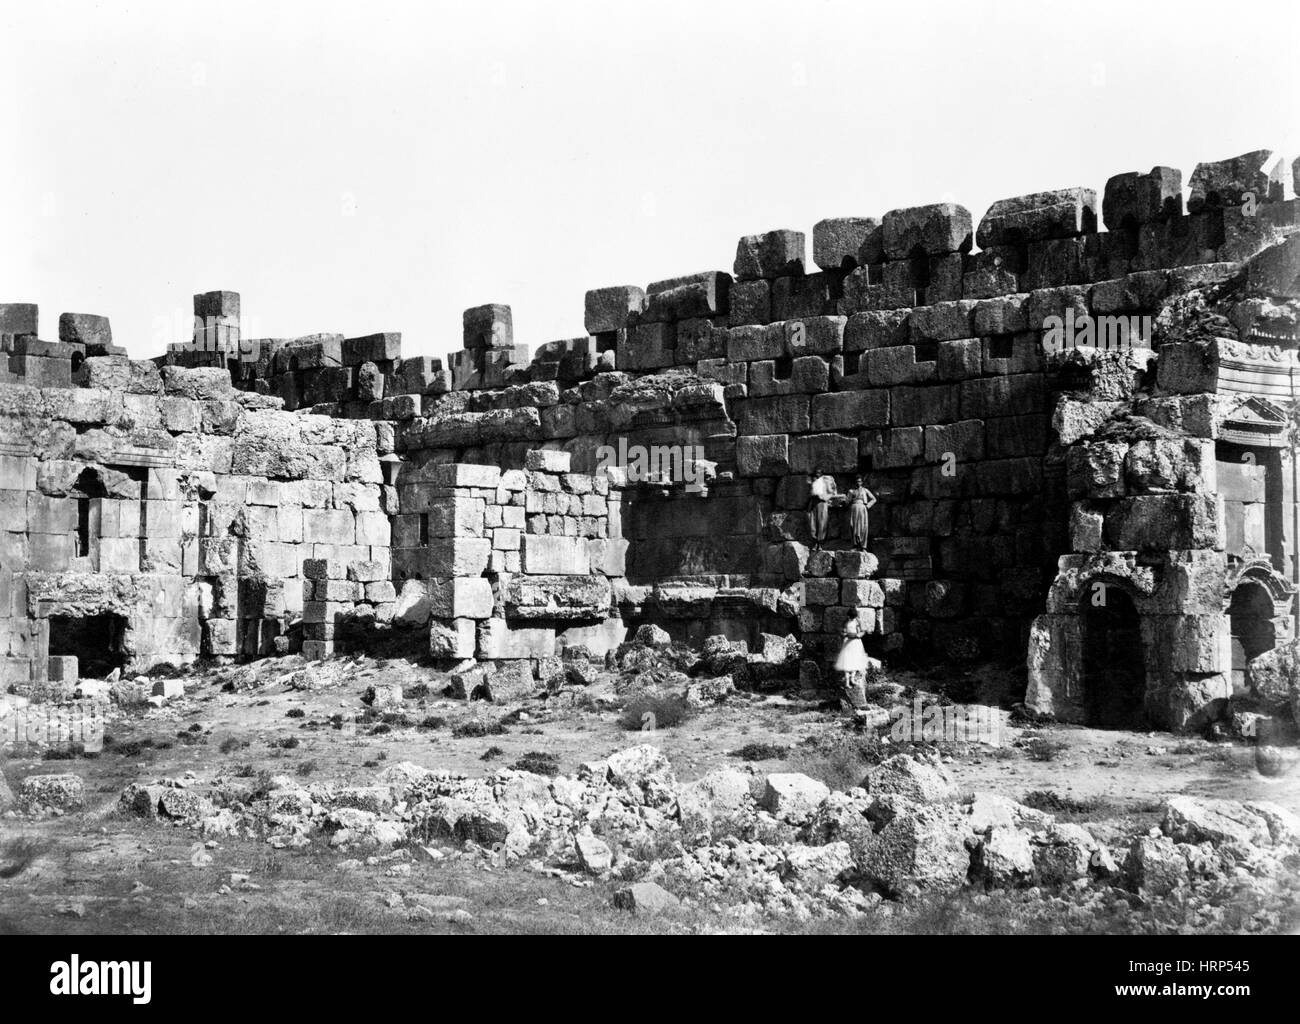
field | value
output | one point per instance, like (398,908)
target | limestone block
(763,455)
(554,556)
(935,230)
(460,556)
(455,638)
(770,254)
(842,243)
(460,598)
(497,641)
(1063,213)
(612,308)
(488,327)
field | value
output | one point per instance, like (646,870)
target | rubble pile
(778,844)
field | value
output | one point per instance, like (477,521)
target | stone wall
(175,504)
(919,349)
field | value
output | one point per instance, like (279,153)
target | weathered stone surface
(613,308)
(768,255)
(792,797)
(66,792)
(1063,213)
(934,230)
(721,799)
(86,329)
(681,298)
(842,243)
(1224,183)
(568,598)
(1193,820)
(905,776)
(923,846)
(488,327)
(1133,198)
(1155,866)
(645,898)
(645,774)
(1275,679)
(1005,858)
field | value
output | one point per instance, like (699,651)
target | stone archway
(1113,670)
(1250,618)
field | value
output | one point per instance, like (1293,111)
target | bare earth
(100,871)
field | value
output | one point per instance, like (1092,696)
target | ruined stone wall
(174,504)
(932,367)
(906,356)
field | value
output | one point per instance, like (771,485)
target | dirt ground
(97,871)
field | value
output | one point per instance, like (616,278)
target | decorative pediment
(1255,421)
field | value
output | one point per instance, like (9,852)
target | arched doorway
(1250,620)
(1114,671)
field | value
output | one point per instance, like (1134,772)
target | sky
(357,168)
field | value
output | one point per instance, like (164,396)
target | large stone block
(459,556)
(1224,183)
(842,243)
(935,230)
(885,367)
(683,298)
(1002,396)
(770,254)
(647,346)
(1063,213)
(499,641)
(751,303)
(1161,522)
(19,318)
(964,440)
(373,348)
(827,453)
(876,329)
(785,414)
(763,455)
(460,598)
(1132,199)
(86,329)
(488,327)
(893,448)
(850,410)
(613,308)
(567,598)
(554,556)
(454,639)
(943,321)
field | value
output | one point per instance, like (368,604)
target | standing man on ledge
(821,493)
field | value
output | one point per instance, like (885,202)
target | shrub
(476,729)
(1044,748)
(840,759)
(761,752)
(650,711)
(538,763)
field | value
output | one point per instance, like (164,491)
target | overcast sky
(379,166)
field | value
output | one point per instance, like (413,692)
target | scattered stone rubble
(779,844)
